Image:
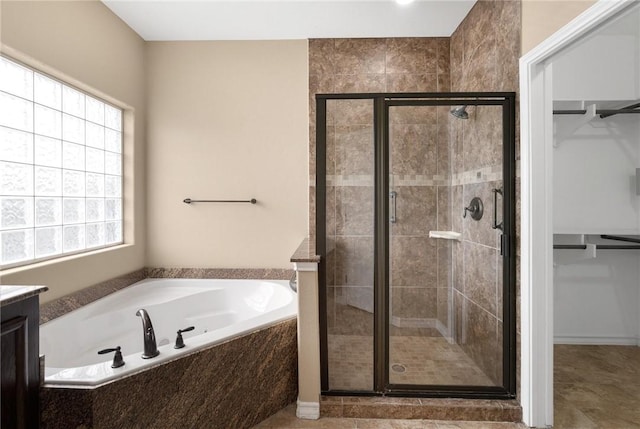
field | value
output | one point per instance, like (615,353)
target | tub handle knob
(117,358)
(179,340)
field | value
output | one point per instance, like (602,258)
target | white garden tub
(218,309)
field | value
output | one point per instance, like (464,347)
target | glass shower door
(414,226)
(445,267)
(349,270)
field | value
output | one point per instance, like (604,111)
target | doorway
(538,182)
(416,229)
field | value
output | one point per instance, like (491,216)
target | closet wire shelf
(604,246)
(603,113)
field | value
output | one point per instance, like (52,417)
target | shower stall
(415,226)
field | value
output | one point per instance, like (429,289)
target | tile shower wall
(484,57)
(419,164)
(371,65)
(381,65)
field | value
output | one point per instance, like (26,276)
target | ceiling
(156,20)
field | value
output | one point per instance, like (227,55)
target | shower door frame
(381,286)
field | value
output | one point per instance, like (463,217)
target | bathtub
(220,310)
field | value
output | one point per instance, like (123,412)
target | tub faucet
(150,347)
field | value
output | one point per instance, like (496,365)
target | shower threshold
(385,407)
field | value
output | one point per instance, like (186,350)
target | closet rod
(633,106)
(619,238)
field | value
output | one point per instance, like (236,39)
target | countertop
(11,294)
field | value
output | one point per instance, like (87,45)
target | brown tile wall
(381,65)
(464,158)
(368,65)
(484,57)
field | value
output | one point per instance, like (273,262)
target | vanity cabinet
(20,368)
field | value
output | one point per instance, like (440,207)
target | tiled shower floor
(428,360)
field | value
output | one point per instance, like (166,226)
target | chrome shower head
(460,112)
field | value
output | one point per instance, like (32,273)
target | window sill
(64,259)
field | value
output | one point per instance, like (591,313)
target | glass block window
(60,168)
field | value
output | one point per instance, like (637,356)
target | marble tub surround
(222,386)
(220,273)
(56,308)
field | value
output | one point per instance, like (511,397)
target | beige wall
(542,18)
(227,120)
(85,44)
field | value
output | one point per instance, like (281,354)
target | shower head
(460,112)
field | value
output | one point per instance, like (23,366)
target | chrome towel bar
(189,201)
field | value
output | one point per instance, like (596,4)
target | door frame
(536,244)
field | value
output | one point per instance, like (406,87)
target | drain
(397,367)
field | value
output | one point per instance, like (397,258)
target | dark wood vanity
(20,367)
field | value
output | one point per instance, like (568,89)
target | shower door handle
(392,206)
(496,225)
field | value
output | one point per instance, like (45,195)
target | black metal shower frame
(381,104)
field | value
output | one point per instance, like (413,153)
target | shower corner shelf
(446,235)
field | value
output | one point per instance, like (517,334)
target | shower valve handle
(179,340)
(117,358)
(476,209)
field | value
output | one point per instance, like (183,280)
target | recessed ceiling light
(404,1)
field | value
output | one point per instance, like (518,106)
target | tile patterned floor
(286,419)
(597,387)
(425,360)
